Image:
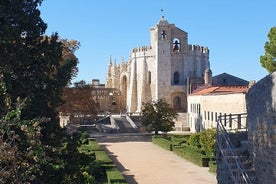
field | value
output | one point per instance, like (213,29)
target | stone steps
(124,125)
(243,159)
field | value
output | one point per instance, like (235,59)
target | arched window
(176,78)
(176,45)
(163,35)
(177,103)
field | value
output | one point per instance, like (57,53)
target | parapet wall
(197,49)
(141,49)
(140,52)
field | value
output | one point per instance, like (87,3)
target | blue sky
(234,30)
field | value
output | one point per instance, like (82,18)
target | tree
(78,101)
(158,116)
(33,66)
(34,69)
(268,60)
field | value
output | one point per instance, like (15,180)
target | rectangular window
(199,109)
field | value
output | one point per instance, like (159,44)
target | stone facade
(161,70)
(261,119)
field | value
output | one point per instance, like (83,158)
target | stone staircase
(233,158)
(124,125)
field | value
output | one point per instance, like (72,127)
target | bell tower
(161,42)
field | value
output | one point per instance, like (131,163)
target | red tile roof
(221,90)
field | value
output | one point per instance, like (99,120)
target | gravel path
(142,162)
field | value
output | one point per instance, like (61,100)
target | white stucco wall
(211,106)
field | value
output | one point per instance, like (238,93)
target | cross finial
(162,12)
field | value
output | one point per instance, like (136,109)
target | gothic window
(149,77)
(176,78)
(177,103)
(176,45)
(163,35)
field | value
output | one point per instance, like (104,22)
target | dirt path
(142,162)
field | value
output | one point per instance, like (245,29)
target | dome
(163,21)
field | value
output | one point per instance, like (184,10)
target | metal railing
(233,121)
(229,155)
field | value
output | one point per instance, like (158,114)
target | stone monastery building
(169,68)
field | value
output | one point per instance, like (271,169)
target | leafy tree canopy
(268,60)
(78,101)
(158,116)
(33,67)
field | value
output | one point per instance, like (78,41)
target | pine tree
(268,60)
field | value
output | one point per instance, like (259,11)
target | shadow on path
(116,138)
(120,138)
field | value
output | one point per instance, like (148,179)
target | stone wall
(261,119)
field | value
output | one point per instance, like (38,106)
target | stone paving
(142,162)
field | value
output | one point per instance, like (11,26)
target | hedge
(178,146)
(162,142)
(102,157)
(212,166)
(89,147)
(115,176)
(191,154)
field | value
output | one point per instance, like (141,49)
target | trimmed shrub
(179,139)
(162,142)
(212,166)
(115,176)
(102,157)
(190,153)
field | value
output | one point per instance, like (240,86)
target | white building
(207,104)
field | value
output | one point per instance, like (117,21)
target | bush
(207,140)
(194,140)
(21,152)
